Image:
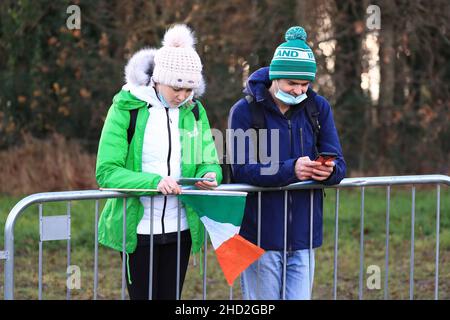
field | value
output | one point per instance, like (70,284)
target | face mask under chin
(167,104)
(288,98)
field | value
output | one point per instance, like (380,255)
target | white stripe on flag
(219,232)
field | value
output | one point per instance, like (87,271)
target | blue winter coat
(294,143)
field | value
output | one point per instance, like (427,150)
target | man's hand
(168,185)
(304,168)
(322,172)
(206,185)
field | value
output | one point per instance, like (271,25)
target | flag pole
(198,192)
(128,190)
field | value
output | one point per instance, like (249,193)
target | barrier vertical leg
(438,214)
(96,251)
(386,276)
(336,237)
(361,247)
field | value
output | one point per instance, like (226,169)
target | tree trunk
(351,104)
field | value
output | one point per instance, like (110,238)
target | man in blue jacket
(281,92)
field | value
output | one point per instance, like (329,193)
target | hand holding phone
(209,181)
(324,157)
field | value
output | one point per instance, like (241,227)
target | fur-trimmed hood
(139,70)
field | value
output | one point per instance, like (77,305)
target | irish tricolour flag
(222,213)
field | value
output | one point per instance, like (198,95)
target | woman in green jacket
(171,139)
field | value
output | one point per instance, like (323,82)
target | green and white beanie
(293,59)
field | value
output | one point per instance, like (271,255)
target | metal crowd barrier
(58,228)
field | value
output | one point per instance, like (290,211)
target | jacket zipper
(290,136)
(301,141)
(289,194)
(168,168)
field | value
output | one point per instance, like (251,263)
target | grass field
(82,250)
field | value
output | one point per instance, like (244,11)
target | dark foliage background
(57,82)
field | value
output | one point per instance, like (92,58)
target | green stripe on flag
(224,209)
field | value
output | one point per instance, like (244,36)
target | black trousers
(164,286)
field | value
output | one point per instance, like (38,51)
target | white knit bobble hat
(177,64)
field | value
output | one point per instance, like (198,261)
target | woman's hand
(168,185)
(206,185)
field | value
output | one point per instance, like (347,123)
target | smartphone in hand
(325,157)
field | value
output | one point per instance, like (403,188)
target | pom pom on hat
(295,33)
(177,64)
(179,36)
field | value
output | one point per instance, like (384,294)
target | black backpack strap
(258,120)
(257,113)
(313,117)
(132,125)
(196,112)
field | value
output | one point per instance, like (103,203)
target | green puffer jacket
(120,166)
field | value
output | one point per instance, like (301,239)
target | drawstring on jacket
(128,268)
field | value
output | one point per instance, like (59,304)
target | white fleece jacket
(155,153)
(156,159)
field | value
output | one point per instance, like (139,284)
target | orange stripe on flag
(235,255)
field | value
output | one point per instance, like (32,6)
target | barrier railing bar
(18,209)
